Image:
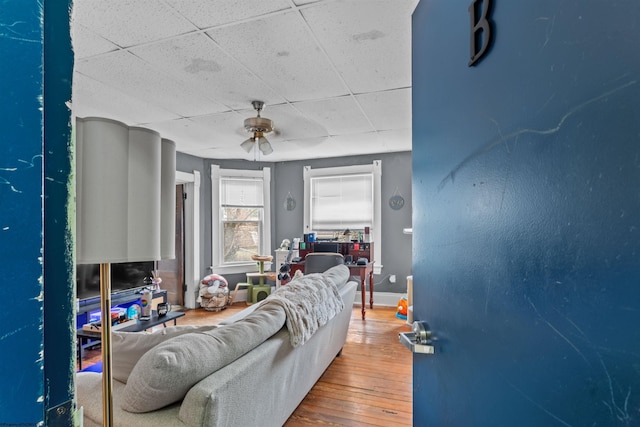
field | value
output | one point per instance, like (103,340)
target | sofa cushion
(165,374)
(89,397)
(128,347)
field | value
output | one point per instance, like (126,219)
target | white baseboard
(242,295)
(381,299)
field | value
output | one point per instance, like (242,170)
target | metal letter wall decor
(480,31)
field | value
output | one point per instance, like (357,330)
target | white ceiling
(335,75)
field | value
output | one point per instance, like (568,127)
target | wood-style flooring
(369,384)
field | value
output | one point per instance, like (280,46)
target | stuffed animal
(285,244)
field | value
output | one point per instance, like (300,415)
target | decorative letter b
(480,29)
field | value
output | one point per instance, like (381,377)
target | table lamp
(121,209)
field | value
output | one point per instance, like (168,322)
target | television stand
(89,338)
(119,298)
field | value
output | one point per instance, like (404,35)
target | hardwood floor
(369,384)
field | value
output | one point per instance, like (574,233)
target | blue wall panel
(21,227)
(37,336)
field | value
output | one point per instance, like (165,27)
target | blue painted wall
(526,178)
(35,285)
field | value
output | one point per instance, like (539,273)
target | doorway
(172,270)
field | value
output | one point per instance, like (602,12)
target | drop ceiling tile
(375,142)
(130,22)
(130,74)
(346,145)
(223,128)
(289,124)
(303,2)
(196,59)
(92,98)
(280,50)
(300,149)
(186,133)
(388,109)
(87,43)
(338,115)
(205,14)
(369,45)
(395,140)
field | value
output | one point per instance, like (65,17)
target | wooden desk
(363,271)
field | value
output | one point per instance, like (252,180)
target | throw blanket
(309,303)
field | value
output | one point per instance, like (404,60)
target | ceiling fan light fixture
(247,145)
(264,145)
(258,126)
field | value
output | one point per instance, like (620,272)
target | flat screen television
(124,276)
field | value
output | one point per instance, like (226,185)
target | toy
(401,312)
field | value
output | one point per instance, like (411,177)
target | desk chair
(319,262)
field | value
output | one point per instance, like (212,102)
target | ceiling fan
(258,126)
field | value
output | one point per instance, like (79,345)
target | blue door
(526,222)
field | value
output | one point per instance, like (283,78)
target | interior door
(526,253)
(172,270)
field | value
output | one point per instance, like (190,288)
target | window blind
(340,202)
(241,192)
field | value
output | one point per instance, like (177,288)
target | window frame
(375,168)
(217,263)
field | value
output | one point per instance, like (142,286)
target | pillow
(128,347)
(165,374)
(338,274)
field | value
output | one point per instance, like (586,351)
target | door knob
(419,340)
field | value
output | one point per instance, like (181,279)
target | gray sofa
(260,387)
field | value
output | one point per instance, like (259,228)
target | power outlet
(392,278)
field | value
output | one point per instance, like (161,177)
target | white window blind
(241,192)
(341,202)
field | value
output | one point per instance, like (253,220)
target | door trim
(191,183)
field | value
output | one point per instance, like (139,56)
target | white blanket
(309,303)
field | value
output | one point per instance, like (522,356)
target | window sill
(250,267)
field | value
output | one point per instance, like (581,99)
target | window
(340,202)
(240,218)
(344,197)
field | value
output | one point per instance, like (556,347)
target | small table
(138,325)
(363,271)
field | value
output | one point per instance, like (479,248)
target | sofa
(253,369)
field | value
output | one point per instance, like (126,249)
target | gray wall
(287,177)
